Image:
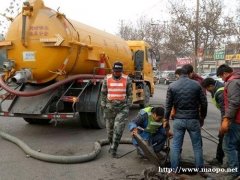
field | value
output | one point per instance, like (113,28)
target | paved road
(68,138)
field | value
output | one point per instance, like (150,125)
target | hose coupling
(22,76)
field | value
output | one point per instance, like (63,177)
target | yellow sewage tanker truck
(54,67)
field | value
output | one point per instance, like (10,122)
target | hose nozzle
(22,76)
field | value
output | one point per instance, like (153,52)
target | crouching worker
(150,125)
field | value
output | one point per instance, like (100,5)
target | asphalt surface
(68,138)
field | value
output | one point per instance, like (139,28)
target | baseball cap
(118,67)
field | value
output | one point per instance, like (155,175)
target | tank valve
(8,65)
(22,76)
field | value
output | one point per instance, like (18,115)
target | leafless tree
(213,27)
(238,20)
(127,30)
(178,37)
(144,29)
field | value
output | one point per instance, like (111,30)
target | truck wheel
(37,121)
(93,119)
(85,119)
(99,122)
(145,102)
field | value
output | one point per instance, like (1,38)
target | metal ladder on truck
(73,93)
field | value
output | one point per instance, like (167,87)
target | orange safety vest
(116,88)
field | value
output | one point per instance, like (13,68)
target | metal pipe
(209,139)
(8,65)
(48,88)
(209,133)
(22,76)
(23,37)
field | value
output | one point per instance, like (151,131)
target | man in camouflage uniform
(116,98)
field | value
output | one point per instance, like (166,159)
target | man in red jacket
(231,120)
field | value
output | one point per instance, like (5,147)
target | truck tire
(85,119)
(93,119)
(98,119)
(37,121)
(145,102)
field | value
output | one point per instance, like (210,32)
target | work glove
(134,131)
(224,126)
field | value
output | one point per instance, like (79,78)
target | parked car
(155,80)
(204,75)
(167,77)
(156,77)
(211,75)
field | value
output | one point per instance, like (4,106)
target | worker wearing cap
(116,98)
(216,88)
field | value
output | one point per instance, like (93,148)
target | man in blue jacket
(150,125)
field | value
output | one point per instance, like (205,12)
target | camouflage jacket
(116,104)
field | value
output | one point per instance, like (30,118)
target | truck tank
(54,67)
(49,46)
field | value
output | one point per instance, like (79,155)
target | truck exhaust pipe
(22,76)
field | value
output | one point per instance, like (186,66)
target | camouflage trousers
(116,120)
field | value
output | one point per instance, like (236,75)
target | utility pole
(196,37)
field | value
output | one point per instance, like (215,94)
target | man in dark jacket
(231,120)
(190,103)
(216,89)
